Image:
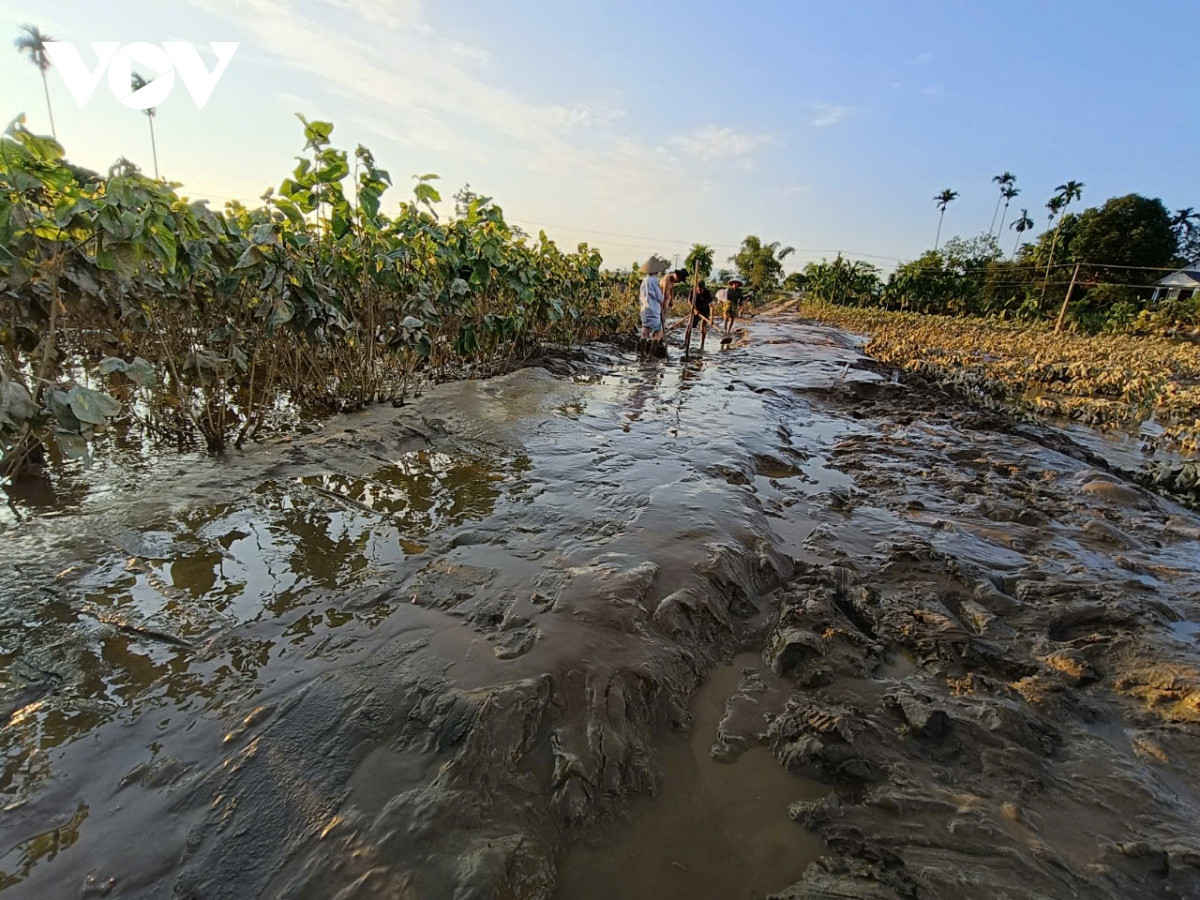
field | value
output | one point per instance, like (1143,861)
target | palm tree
(942,200)
(1007,193)
(1005,180)
(31,40)
(1182,221)
(1186,234)
(137,82)
(1058,204)
(1023,224)
(761,265)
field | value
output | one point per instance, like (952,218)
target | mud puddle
(426,652)
(714,829)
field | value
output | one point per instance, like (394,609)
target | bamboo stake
(1067,299)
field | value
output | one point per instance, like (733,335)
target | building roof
(1188,276)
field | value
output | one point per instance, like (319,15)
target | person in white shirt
(650,300)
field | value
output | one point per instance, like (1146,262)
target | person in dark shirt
(702,316)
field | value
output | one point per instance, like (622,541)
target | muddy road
(763,623)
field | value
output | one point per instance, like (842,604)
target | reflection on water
(154,628)
(148,635)
(714,830)
(16,865)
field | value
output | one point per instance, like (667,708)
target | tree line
(1096,268)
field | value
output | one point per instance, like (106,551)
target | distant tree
(137,82)
(1008,194)
(948,281)
(724,275)
(463,200)
(1005,180)
(795,282)
(1133,231)
(942,200)
(1187,234)
(1058,204)
(843,282)
(700,257)
(1022,225)
(30,40)
(761,265)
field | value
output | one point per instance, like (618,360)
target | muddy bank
(426,652)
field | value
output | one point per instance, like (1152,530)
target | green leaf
(165,241)
(111,364)
(72,445)
(426,193)
(120,258)
(369,199)
(56,403)
(252,257)
(92,407)
(282,311)
(15,403)
(140,372)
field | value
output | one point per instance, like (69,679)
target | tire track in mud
(970,636)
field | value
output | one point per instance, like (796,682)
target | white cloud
(933,90)
(921,59)
(388,13)
(423,88)
(830,114)
(712,142)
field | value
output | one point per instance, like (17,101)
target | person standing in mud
(670,280)
(702,309)
(734,300)
(650,303)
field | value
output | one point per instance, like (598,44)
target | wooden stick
(1067,299)
(687,337)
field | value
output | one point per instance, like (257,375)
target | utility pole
(676,260)
(1067,299)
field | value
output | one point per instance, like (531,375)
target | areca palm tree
(1187,235)
(137,82)
(1058,204)
(942,200)
(31,40)
(1007,193)
(1022,224)
(1005,180)
(1182,220)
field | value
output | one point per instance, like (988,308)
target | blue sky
(643,127)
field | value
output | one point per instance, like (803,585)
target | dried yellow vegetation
(1101,380)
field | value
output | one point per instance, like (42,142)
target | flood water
(715,829)
(479,646)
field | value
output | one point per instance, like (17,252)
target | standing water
(715,829)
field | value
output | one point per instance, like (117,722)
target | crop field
(1105,381)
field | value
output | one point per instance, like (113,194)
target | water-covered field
(765,621)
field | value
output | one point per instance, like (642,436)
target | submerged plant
(117,289)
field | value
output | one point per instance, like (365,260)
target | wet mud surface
(759,623)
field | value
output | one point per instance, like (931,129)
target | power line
(635,240)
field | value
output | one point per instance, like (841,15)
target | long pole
(153,145)
(49,108)
(1067,299)
(687,335)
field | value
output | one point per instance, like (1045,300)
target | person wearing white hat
(650,300)
(733,305)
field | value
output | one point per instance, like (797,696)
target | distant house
(1179,285)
